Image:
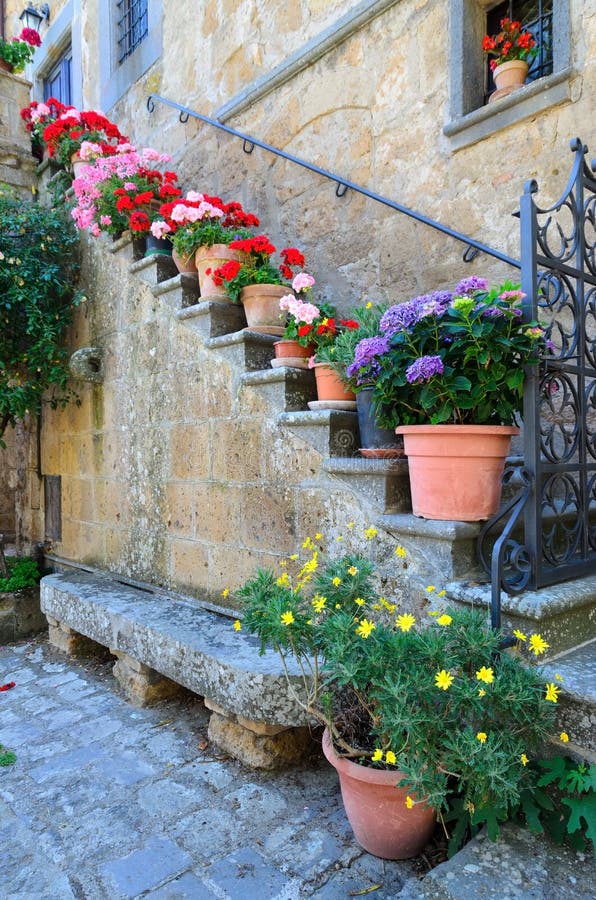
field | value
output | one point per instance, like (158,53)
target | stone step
(332,432)
(212,319)
(134,250)
(382,482)
(180,291)
(283,389)
(154,269)
(443,550)
(563,614)
(576,706)
(245,350)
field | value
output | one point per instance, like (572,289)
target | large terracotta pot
(377,811)
(212,258)
(261,306)
(510,74)
(5,66)
(330,386)
(456,470)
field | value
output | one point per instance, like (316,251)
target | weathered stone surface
(564,614)
(71,642)
(519,865)
(189,645)
(331,432)
(260,751)
(20,615)
(383,483)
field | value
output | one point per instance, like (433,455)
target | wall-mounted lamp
(31,17)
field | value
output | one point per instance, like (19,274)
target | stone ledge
(187,644)
(385,483)
(564,614)
(332,432)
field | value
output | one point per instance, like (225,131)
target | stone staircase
(444,551)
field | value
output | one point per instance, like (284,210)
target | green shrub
(22,573)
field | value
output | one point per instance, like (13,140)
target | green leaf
(583,807)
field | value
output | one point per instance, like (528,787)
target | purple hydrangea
(402,316)
(492,312)
(366,364)
(424,368)
(471,284)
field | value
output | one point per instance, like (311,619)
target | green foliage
(38,273)
(437,701)
(7,757)
(16,53)
(566,810)
(22,573)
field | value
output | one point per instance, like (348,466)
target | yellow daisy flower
(287,618)
(283,580)
(564,737)
(318,603)
(399,551)
(519,634)
(409,802)
(405,622)
(558,677)
(336,581)
(359,601)
(444,620)
(390,758)
(365,628)
(370,533)
(485,675)
(537,644)
(237,625)
(482,692)
(444,680)
(552,692)
(225,592)
(524,759)
(352,571)
(430,589)
(377,755)
(481,736)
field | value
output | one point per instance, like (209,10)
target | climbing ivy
(38,276)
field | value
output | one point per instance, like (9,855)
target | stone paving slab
(110,802)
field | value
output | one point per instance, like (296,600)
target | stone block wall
(7,468)
(17,166)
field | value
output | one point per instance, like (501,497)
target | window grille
(536,16)
(133,26)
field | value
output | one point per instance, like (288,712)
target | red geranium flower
(139,221)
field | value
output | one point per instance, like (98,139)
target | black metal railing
(557,504)
(473,247)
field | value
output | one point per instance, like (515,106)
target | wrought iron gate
(557,502)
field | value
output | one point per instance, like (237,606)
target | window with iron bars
(133,26)
(536,17)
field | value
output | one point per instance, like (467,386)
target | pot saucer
(332,404)
(382,452)
(291,362)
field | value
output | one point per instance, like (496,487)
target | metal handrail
(342,184)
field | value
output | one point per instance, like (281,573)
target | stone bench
(161,644)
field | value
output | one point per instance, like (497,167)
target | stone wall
(7,467)
(17,166)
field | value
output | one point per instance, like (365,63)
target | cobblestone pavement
(109,801)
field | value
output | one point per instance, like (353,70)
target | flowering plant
(510,43)
(37,115)
(456,357)
(256,266)
(117,191)
(434,701)
(304,317)
(72,128)
(200,220)
(19,51)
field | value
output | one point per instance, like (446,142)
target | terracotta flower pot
(261,306)
(510,74)
(211,258)
(377,811)
(185,265)
(456,470)
(330,386)
(5,66)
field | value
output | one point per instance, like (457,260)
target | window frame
(467,74)
(116,77)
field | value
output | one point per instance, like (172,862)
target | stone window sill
(527,101)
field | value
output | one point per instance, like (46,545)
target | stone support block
(141,684)
(260,751)
(383,483)
(245,350)
(72,642)
(260,728)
